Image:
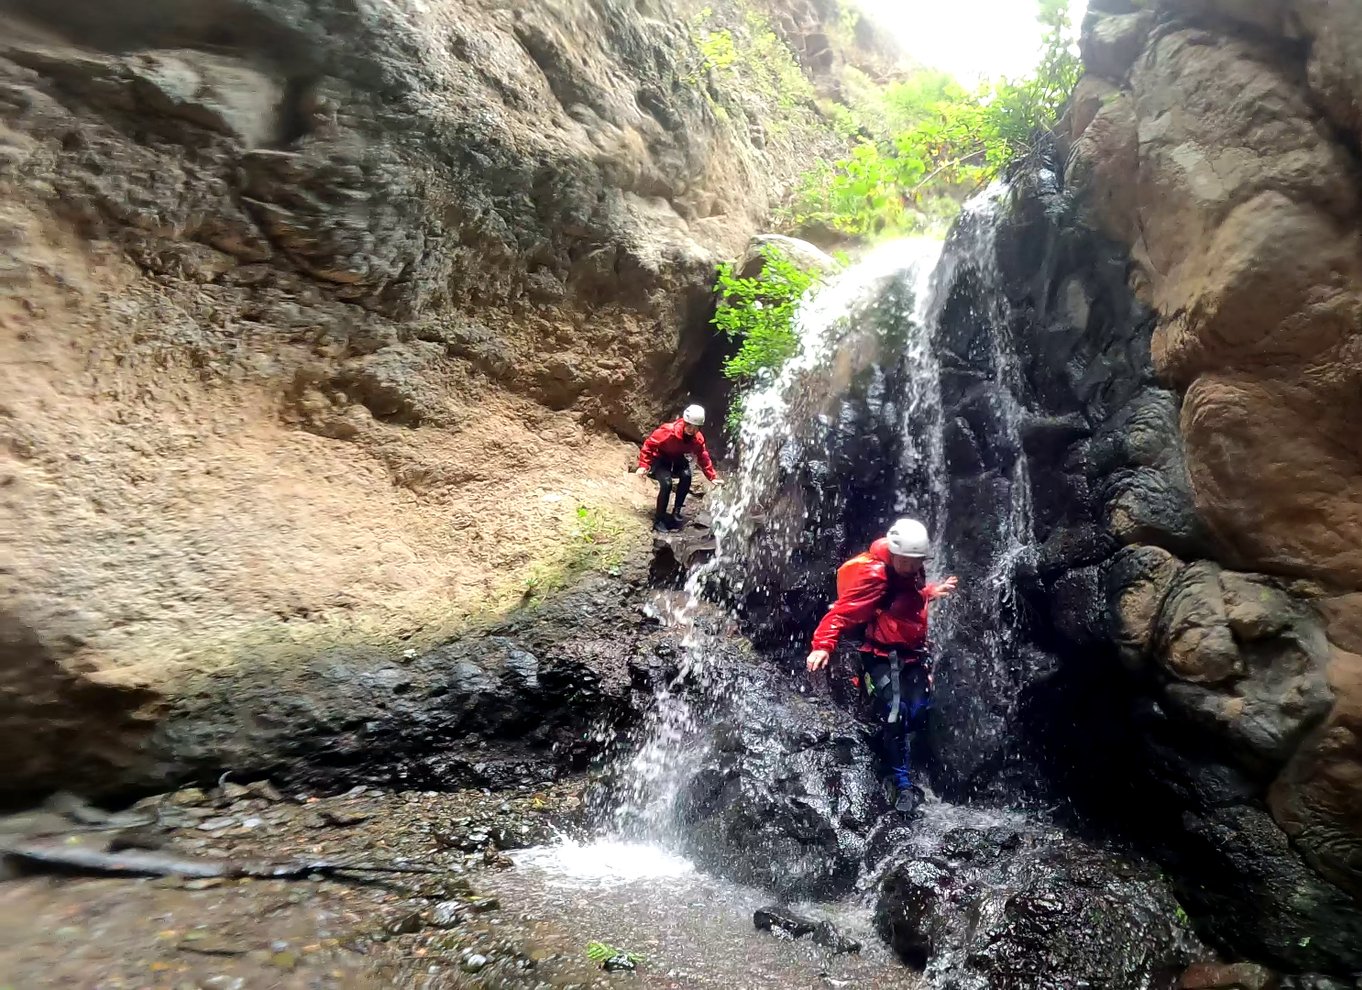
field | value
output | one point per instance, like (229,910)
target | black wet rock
(785,792)
(987,906)
(783,921)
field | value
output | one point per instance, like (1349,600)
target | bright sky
(971,39)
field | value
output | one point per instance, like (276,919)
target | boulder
(807,256)
(983,906)
(1110,43)
(1248,661)
(1137,580)
(783,794)
(1273,478)
(785,922)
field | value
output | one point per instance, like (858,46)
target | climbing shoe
(676,521)
(662,524)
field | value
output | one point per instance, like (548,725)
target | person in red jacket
(885,593)
(664,457)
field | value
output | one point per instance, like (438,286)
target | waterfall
(785,503)
(984,531)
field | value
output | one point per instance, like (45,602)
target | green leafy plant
(599,952)
(937,142)
(748,57)
(758,312)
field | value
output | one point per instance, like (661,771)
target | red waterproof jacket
(893,608)
(669,442)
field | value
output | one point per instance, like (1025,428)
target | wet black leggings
(915,699)
(667,472)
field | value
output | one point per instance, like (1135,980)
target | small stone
(207,944)
(264,790)
(222,983)
(234,792)
(341,819)
(474,963)
(203,883)
(482,905)
(406,924)
(188,797)
(216,824)
(445,914)
(286,961)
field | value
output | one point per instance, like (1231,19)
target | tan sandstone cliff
(319,321)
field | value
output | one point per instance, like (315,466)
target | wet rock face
(497,708)
(995,905)
(784,795)
(1165,329)
(1212,692)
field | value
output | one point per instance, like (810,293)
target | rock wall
(318,323)
(1186,288)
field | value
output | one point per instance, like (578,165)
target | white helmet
(908,538)
(694,415)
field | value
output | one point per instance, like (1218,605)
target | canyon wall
(330,324)
(1185,289)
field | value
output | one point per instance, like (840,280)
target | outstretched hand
(944,589)
(818,659)
(641,470)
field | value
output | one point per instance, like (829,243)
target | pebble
(474,963)
(445,914)
(222,983)
(216,824)
(265,790)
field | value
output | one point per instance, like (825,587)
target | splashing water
(603,863)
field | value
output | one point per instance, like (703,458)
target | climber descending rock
(664,457)
(883,595)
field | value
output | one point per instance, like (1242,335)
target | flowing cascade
(984,531)
(798,497)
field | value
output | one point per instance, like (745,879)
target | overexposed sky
(971,39)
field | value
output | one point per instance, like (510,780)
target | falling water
(984,531)
(755,534)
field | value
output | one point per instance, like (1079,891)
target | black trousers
(668,474)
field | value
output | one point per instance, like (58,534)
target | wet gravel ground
(507,906)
